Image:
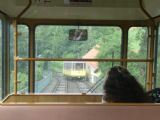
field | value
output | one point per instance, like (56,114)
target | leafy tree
(23,81)
(158,61)
(137,48)
(110,46)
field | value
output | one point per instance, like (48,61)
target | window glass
(71,76)
(53,41)
(1,59)
(137,42)
(11,62)
(158,60)
(139,71)
(22,76)
(137,49)
(23,36)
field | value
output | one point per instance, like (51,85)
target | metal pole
(15,55)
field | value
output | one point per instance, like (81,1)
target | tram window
(79,66)
(0,59)
(137,42)
(22,77)
(52,42)
(47,76)
(158,60)
(23,37)
(139,70)
(137,48)
(11,45)
(64,77)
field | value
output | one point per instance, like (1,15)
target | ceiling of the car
(95,10)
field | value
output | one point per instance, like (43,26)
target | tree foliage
(137,49)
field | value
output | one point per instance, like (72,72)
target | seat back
(79,112)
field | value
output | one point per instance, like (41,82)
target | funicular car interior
(87,106)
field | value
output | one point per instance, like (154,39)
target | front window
(54,41)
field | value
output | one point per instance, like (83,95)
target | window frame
(1,87)
(124,27)
(27,28)
(65,59)
(157,40)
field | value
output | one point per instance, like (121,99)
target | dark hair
(121,86)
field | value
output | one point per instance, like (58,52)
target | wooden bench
(79,111)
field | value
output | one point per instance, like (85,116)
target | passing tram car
(75,70)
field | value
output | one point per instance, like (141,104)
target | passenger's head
(121,86)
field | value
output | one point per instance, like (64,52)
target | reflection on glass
(137,42)
(71,76)
(78,34)
(139,70)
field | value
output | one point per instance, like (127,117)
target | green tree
(137,49)
(110,47)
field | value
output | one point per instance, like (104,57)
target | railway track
(61,85)
(83,87)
